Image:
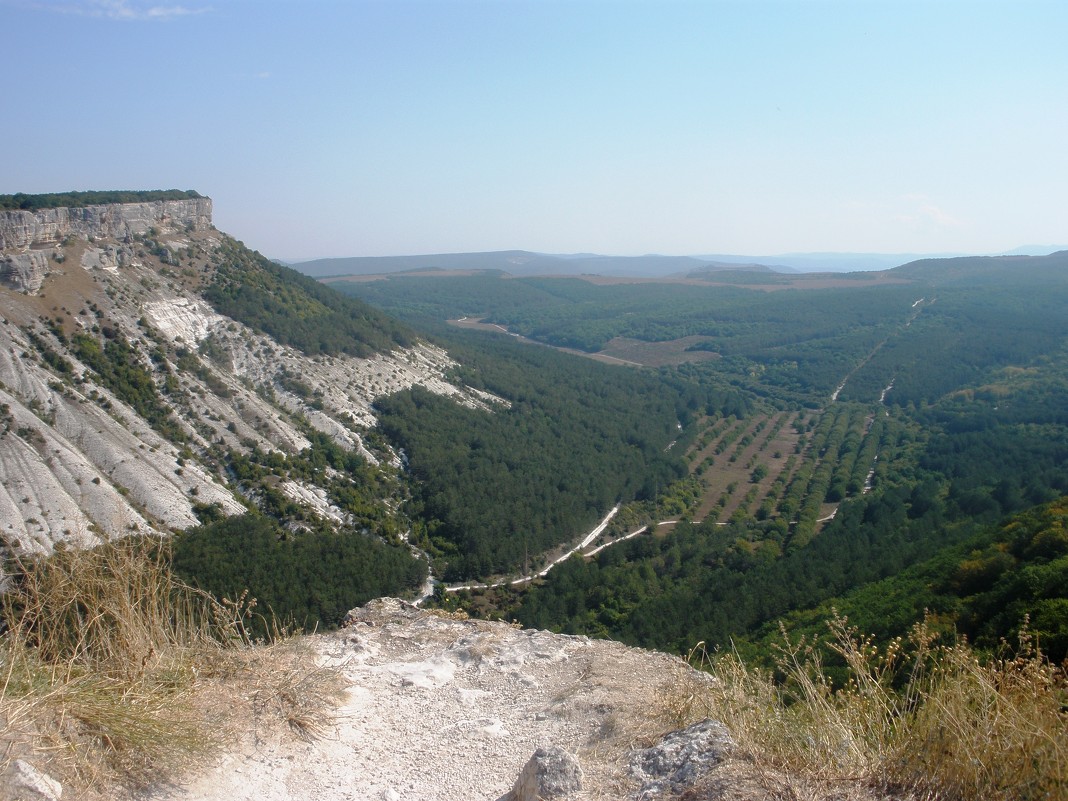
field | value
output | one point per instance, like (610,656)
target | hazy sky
(330,128)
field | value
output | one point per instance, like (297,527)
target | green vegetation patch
(985,588)
(935,487)
(75,200)
(793,345)
(297,310)
(493,488)
(308,578)
(119,368)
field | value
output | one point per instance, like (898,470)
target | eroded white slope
(77,463)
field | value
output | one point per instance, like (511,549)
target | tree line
(24,202)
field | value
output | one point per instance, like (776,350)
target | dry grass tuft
(273,687)
(931,720)
(993,730)
(115,673)
(114,608)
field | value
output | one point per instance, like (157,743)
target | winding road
(586,541)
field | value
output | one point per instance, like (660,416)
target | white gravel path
(450,710)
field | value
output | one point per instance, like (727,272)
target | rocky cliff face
(24,272)
(29,238)
(79,459)
(119,221)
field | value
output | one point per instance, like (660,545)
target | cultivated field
(791,467)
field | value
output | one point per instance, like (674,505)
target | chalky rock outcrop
(24,272)
(78,462)
(120,221)
(446,709)
(27,238)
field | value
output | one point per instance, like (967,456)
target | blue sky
(328,128)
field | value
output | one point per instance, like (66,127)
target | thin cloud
(123,10)
(924,210)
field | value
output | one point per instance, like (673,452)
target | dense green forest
(930,331)
(297,310)
(960,334)
(23,202)
(984,588)
(492,488)
(306,578)
(787,344)
(967,437)
(946,475)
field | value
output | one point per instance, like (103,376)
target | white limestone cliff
(119,221)
(77,463)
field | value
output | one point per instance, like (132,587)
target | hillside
(159,377)
(982,588)
(156,375)
(744,448)
(975,271)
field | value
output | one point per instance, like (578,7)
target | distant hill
(987,270)
(826,262)
(528,263)
(521,263)
(855,262)
(1035,250)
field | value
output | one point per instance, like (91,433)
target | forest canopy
(492,488)
(77,200)
(297,310)
(933,410)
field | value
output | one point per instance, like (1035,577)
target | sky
(323,128)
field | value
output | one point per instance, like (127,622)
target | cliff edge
(28,238)
(439,708)
(121,221)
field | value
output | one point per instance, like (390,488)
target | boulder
(552,773)
(681,758)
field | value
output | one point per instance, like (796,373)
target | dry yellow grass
(915,717)
(113,673)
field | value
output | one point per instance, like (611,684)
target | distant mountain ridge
(520,263)
(1021,270)
(528,263)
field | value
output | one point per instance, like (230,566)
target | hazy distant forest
(884,445)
